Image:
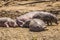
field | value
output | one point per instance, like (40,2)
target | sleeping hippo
(37,25)
(8,22)
(47,17)
(26,17)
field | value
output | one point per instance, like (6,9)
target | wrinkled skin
(37,25)
(7,22)
(47,18)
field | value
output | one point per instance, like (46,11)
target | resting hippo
(37,25)
(26,17)
(8,22)
(46,17)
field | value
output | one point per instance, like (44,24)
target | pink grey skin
(47,17)
(26,17)
(7,22)
(37,25)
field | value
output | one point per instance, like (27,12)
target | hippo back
(27,16)
(36,25)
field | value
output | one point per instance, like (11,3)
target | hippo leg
(48,23)
(6,24)
(19,23)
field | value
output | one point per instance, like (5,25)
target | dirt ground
(51,33)
(18,33)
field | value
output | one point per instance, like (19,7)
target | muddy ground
(13,10)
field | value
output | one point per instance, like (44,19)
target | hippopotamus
(24,18)
(47,17)
(8,22)
(37,25)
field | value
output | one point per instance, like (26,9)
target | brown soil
(18,33)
